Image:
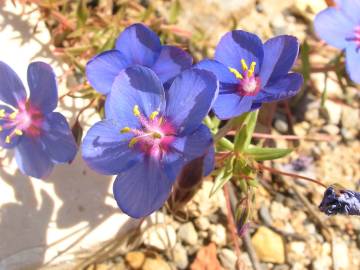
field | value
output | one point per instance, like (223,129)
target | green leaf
(244,135)
(223,177)
(82,13)
(260,154)
(174,11)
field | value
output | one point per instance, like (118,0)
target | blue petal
(7,131)
(353,63)
(230,105)
(255,106)
(334,27)
(106,150)
(237,45)
(103,68)
(171,62)
(282,88)
(32,159)
(189,99)
(12,90)
(43,87)
(139,45)
(227,80)
(351,8)
(280,54)
(185,149)
(209,161)
(58,139)
(134,86)
(142,189)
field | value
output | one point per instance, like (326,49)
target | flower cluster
(156,103)
(340,27)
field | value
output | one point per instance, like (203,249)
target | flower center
(154,136)
(249,83)
(355,37)
(27,119)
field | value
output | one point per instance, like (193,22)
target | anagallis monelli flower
(251,72)
(149,134)
(136,45)
(340,201)
(41,138)
(340,27)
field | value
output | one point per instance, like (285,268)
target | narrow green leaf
(82,13)
(260,154)
(224,175)
(174,11)
(244,134)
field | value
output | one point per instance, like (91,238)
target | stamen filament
(136,111)
(244,65)
(237,73)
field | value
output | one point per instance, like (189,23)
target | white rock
(228,258)
(160,236)
(341,255)
(202,223)
(333,112)
(180,256)
(218,234)
(188,234)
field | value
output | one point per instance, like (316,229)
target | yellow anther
(2,113)
(13,115)
(136,111)
(237,73)
(18,132)
(7,139)
(156,135)
(1,128)
(252,69)
(153,115)
(244,65)
(125,130)
(133,141)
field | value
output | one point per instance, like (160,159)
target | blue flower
(41,138)
(340,27)
(149,134)
(340,201)
(136,45)
(251,72)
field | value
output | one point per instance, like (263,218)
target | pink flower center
(356,37)
(28,119)
(155,135)
(249,83)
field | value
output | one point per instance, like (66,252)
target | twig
(231,224)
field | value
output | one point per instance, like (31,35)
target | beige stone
(135,259)
(269,246)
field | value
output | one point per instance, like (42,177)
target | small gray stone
(188,234)
(331,129)
(228,258)
(180,256)
(281,125)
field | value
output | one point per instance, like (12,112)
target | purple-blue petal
(334,27)
(12,90)
(230,105)
(352,9)
(282,88)
(237,45)
(58,139)
(103,68)
(189,99)
(139,44)
(7,131)
(170,63)
(135,85)
(280,54)
(353,63)
(209,161)
(106,150)
(43,87)
(227,80)
(142,189)
(32,159)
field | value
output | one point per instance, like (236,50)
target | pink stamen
(355,38)
(28,119)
